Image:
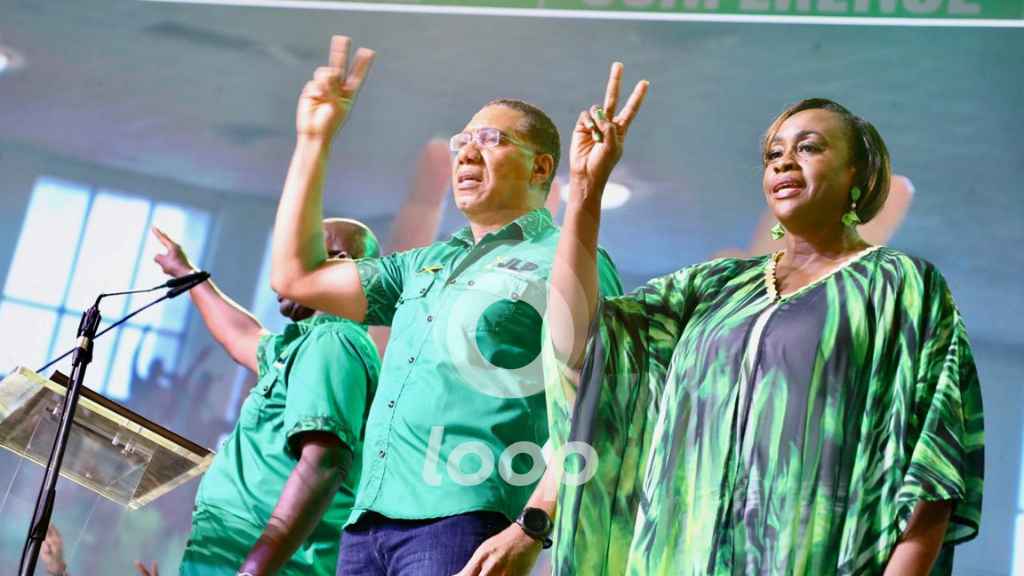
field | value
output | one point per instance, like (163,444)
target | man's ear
(543,166)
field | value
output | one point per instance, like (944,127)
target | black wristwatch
(537,525)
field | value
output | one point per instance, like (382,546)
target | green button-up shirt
(319,375)
(461,379)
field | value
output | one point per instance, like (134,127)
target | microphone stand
(79,362)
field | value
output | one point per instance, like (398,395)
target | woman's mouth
(786,187)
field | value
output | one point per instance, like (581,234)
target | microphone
(185,283)
(186,279)
(177,286)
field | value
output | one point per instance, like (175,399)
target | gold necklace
(770,283)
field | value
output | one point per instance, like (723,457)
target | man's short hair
(538,131)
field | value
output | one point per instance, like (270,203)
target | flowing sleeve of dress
(613,410)
(922,430)
(944,438)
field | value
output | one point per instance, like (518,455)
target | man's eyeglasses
(485,138)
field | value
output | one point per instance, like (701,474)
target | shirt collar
(526,226)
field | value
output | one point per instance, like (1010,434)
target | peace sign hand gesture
(597,139)
(327,99)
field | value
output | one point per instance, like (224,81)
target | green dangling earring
(778,231)
(850,218)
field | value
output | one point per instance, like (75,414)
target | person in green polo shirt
(283,483)
(453,478)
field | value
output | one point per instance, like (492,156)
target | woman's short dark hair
(539,131)
(869,155)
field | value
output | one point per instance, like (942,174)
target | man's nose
(470,152)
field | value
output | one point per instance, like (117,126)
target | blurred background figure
(878,231)
(419,216)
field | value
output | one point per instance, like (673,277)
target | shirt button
(194,508)
(382,453)
(471,282)
(430,318)
(422,290)
(515,296)
(411,359)
(265,388)
(391,404)
(452,281)
(188,544)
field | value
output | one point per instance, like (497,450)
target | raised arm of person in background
(554,200)
(419,216)
(300,268)
(877,231)
(233,327)
(596,147)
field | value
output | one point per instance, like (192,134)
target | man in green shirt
(452,451)
(283,483)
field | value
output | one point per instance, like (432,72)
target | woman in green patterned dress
(813,412)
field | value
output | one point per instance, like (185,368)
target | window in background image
(77,242)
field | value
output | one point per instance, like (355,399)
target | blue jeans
(380,546)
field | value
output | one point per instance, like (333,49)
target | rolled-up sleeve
(327,386)
(383,280)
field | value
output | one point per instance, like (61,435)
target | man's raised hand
(174,262)
(327,99)
(599,133)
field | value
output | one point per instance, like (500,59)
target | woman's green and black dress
(741,435)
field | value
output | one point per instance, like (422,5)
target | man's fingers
(360,70)
(611,95)
(312,90)
(161,237)
(152,564)
(636,99)
(340,45)
(327,79)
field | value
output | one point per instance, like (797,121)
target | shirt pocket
(254,409)
(413,304)
(504,313)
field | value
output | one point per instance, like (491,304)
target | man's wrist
(537,524)
(532,541)
(318,142)
(186,271)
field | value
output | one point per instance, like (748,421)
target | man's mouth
(468,179)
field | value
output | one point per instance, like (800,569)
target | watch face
(536,520)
